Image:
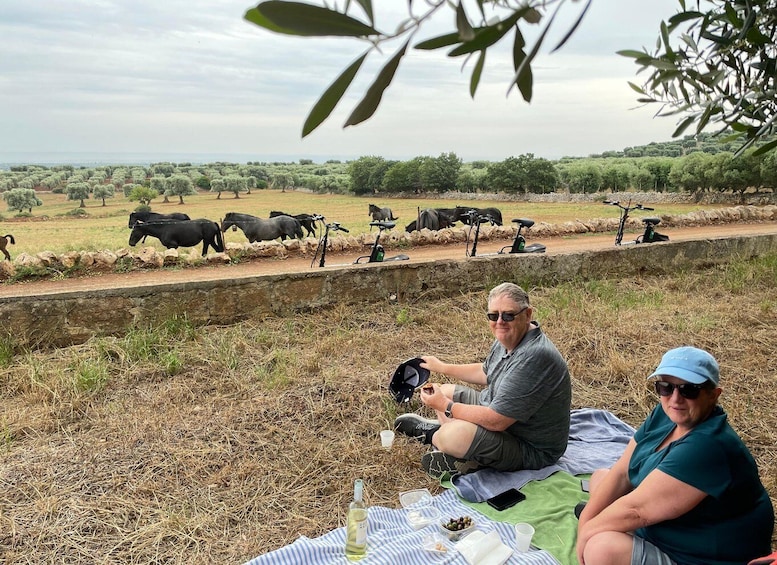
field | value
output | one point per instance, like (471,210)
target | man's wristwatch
(448,410)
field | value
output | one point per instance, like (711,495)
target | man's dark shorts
(499,450)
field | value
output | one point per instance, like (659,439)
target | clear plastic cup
(523,535)
(387,438)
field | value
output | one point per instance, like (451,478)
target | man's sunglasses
(506,316)
(686,390)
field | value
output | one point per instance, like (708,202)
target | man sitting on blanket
(520,420)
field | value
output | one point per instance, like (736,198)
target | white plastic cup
(523,535)
(387,438)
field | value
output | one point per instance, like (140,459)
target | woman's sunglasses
(686,390)
(506,316)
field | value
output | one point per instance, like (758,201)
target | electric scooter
(377,253)
(650,235)
(519,243)
(322,242)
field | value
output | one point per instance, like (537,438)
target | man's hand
(432,396)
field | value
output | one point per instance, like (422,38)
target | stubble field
(212,445)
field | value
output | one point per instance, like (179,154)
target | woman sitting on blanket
(686,490)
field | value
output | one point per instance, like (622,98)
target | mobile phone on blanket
(584,485)
(506,499)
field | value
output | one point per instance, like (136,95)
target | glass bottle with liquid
(356,529)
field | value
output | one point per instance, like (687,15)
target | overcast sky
(192,80)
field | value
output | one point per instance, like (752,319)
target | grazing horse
(462,214)
(260,229)
(180,233)
(305,220)
(433,219)
(146,217)
(4,241)
(381,214)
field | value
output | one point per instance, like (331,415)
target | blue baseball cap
(690,364)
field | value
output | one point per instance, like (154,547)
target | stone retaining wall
(73,317)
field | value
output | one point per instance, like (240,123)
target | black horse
(261,229)
(181,233)
(146,217)
(4,241)
(433,219)
(307,221)
(462,214)
(381,214)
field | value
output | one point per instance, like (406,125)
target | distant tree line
(703,167)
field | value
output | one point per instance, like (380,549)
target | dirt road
(555,245)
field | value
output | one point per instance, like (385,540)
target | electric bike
(377,253)
(649,235)
(474,219)
(519,243)
(324,239)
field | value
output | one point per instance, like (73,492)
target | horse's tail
(298,230)
(10,238)
(219,243)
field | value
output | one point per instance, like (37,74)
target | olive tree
(103,191)
(21,199)
(716,65)
(77,191)
(235,184)
(180,185)
(217,185)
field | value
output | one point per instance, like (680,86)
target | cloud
(150,77)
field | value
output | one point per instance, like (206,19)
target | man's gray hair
(512,291)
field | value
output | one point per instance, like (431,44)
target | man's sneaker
(416,427)
(442,466)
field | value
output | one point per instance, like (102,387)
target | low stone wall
(73,317)
(47,263)
(648,197)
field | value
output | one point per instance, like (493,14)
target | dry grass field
(54,226)
(212,445)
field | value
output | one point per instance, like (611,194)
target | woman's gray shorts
(645,553)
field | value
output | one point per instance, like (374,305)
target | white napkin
(479,548)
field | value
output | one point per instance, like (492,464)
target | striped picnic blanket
(393,541)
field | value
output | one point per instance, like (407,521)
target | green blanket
(549,507)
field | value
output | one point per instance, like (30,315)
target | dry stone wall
(149,258)
(68,318)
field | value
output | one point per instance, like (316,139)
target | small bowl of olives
(456,528)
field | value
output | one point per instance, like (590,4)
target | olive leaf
(367,7)
(462,23)
(296,18)
(476,72)
(487,36)
(526,80)
(369,104)
(332,96)
(572,29)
